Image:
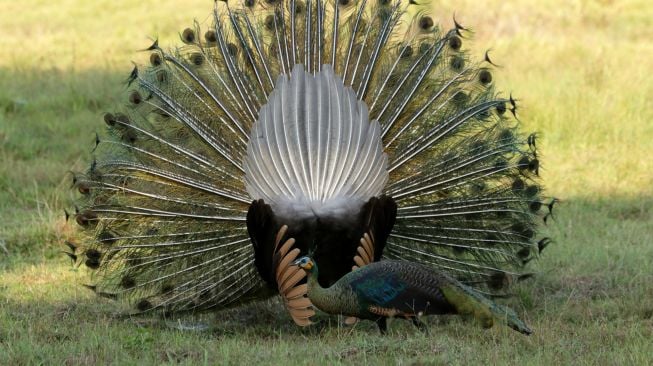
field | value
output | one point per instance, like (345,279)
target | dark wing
(395,288)
(262,229)
(378,217)
(274,252)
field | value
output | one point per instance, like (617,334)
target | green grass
(583,72)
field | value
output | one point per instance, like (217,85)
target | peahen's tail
(469,301)
(164,203)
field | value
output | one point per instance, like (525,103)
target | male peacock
(393,288)
(353,130)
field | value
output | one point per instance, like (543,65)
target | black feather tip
(71,245)
(487,59)
(72,256)
(93,165)
(525,276)
(132,76)
(107,295)
(73,181)
(154,46)
(97,141)
(457,25)
(513,108)
(543,243)
(531,141)
(550,207)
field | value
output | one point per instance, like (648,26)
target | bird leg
(383,325)
(420,325)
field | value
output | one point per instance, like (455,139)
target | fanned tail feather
(164,202)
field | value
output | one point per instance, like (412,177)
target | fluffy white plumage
(313,150)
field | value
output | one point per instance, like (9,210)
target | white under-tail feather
(313,150)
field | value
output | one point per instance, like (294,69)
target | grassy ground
(583,71)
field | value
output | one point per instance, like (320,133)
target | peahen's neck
(332,300)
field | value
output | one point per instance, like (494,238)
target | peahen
(353,130)
(392,288)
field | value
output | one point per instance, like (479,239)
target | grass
(583,73)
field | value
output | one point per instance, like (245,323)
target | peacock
(392,288)
(351,130)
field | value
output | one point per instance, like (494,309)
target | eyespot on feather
(232,49)
(424,47)
(122,118)
(161,76)
(498,281)
(518,185)
(197,59)
(210,36)
(188,36)
(269,22)
(155,59)
(109,119)
(455,43)
(135,97)
(83,188)
(523,163)
(92,263)
(166,288)
(457,63)
(532,190)
(86,218)
(106,238)
(144,305)
(485,77)
(535,206)
(426,23)
(501,108)
(127,282)
(460,98)
(407,51)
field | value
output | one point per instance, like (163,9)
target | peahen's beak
(304,263)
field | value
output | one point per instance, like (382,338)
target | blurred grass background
(583,72)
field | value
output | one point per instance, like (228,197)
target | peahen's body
(390,288)
(355,130)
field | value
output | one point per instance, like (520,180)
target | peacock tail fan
(164,204)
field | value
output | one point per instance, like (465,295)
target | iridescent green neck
(321,297)
(314,287)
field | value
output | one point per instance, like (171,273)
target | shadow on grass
(48,120)
(597,270)
(599,265)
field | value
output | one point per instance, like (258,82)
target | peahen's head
(305,263)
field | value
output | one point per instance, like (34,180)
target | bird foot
(187,326)
(383,325)
(351,320)
(420,325)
